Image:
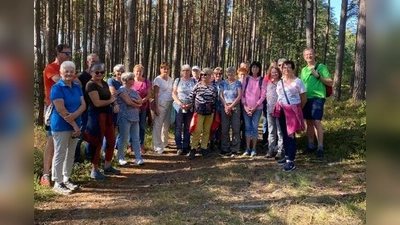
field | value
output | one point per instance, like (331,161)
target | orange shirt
(50,70)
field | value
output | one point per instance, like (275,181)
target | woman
(184,110)
(69,104)
(143,87)
(252,100)
(291,99)
(128,118)
(275,138)
(102,105)
(162,108)
(114,83)
(203,96)
(230,95)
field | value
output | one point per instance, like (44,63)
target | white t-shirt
(293,91)
(165,91)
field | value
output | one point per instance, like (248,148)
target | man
(315,76)
(84,78)
(51,75)
(196,73)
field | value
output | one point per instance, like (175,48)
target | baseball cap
(196,68)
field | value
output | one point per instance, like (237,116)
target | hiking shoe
(97,175)
(281,161)
(253,153)
(70,185)
(289,167)
(279,155)
(205,152)
(192,154)
(111,170)
(122,162)
(247,152)
(320,155)
(179,152)
(45,180)
(61,189)
(139,162)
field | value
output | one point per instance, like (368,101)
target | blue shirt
(72,101)
(114,83)
(230,90)
(128,112)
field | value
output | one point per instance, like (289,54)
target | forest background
(207,33)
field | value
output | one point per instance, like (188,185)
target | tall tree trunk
(160,37)
(327,28)
(337,81)
(309,23)
(178,45)
(85,37)
(147,29)
(101,29)
(360,66)
(315,17)
(51,38)
(77,32)
(130,36)
(39,62)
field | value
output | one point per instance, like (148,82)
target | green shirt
(315,87)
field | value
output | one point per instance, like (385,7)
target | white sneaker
(70,185)
(159,150)
(139,162)
(122,162)
(61,189)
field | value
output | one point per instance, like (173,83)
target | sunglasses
(67,53)
(98,72)
(203,74)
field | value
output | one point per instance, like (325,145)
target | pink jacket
(294,118)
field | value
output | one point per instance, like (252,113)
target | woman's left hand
(116,109)
(70,117)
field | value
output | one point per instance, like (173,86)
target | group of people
(87,108)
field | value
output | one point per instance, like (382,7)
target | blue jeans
(142,125)
(265,123)
(128,130)
(182,119)
(251,123)
(289,143)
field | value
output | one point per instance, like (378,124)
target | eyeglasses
(67,53)
(98,72)
(279,65)
(203,74)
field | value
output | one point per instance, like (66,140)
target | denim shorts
(314,109)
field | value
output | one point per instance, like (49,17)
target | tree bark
(327,28)
(360,56)
(309,23)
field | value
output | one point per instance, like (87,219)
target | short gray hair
(231,69)
(127,76)
(281,60)
(67,64)
(118,67)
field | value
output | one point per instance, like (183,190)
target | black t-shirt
(85,77)
(104,94)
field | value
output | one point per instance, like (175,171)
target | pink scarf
(294,118)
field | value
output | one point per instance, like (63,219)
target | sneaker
(122,162)
(270,154)
(111,170)
(289,167)
(179,152)
(192,154)
(279,155)
(70,185)
(247,152)
(61,189)
(281,161)
(233,155)
(45,180)
(159,150)
(97,175)
(205,152)
(139,162)
(253,153)
(320,155)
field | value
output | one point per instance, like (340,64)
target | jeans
(289,143)
(142,125)
(128,130)
(265,123)
(275,136)
(182,119)
(251,123)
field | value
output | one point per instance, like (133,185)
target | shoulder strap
(316,66)
(283,87)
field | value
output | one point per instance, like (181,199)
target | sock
(311,145)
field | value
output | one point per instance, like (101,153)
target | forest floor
(170,189)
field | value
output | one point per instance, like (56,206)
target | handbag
(277,110)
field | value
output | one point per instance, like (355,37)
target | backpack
(47,115)
(328,89)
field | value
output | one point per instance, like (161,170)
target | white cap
(196,68)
